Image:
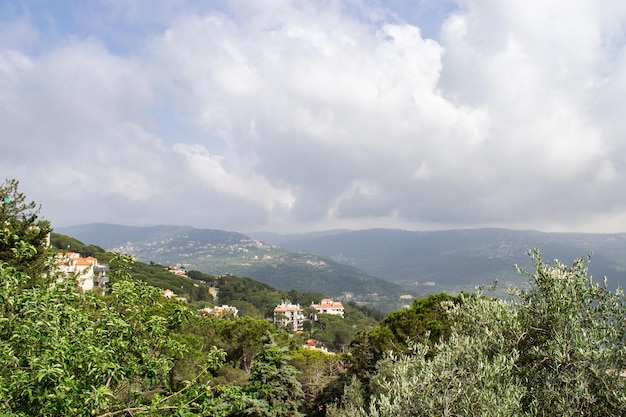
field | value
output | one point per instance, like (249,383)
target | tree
(557,350)
(23,236)
(572,349)
(316,370)
(273,387)
(244,338)
(335,332)
(64,352)
(426,321)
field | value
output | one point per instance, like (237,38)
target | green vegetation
(252,298)
(23,242)
(220,252)
(425,322)
(557,348)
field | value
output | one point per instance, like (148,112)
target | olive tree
(572,344)
(558,348)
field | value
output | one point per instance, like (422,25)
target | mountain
(219,252)
(346,261)
(453,260)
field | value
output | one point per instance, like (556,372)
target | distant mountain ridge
(219,252)
(364,261)
(455,260)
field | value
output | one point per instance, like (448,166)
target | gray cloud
(268,115)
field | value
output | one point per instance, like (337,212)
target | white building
(289,315)
(221,311)
(313,344)
(328,306)
(89,273)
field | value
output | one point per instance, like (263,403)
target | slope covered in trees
(252,298)
(220,252)
(458,260)
(557,350)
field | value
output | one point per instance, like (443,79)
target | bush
(557,350)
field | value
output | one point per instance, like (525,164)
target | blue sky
(307,115)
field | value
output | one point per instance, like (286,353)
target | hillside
(252,298)
(219,252)
(338,261)
(152,274)
(453,260)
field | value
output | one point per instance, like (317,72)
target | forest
(556,347)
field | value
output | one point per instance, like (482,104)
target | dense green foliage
(23,239)
(274,386)
(426,321)
(129,352)
(557,350)
(63,352)
(255,298)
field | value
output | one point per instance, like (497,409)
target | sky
(294,116)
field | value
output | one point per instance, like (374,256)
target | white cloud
(209,171)
(311,113)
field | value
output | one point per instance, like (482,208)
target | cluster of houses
(220,311)
(177,270)
(88,272)
(290,316)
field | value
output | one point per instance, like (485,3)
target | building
(313,344)
(89,273)
(169,294)
(177,270)
(221,311)
(328,306)
(289,316)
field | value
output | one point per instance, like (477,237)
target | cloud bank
(291,116)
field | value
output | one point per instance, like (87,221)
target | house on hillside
(312,344)
(289,316)
(221,311)
(328,306)
(89,273)
(177,270)
(169,294)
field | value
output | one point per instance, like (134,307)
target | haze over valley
(385,262)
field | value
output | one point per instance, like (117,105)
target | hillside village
(287,316)
(92,275)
